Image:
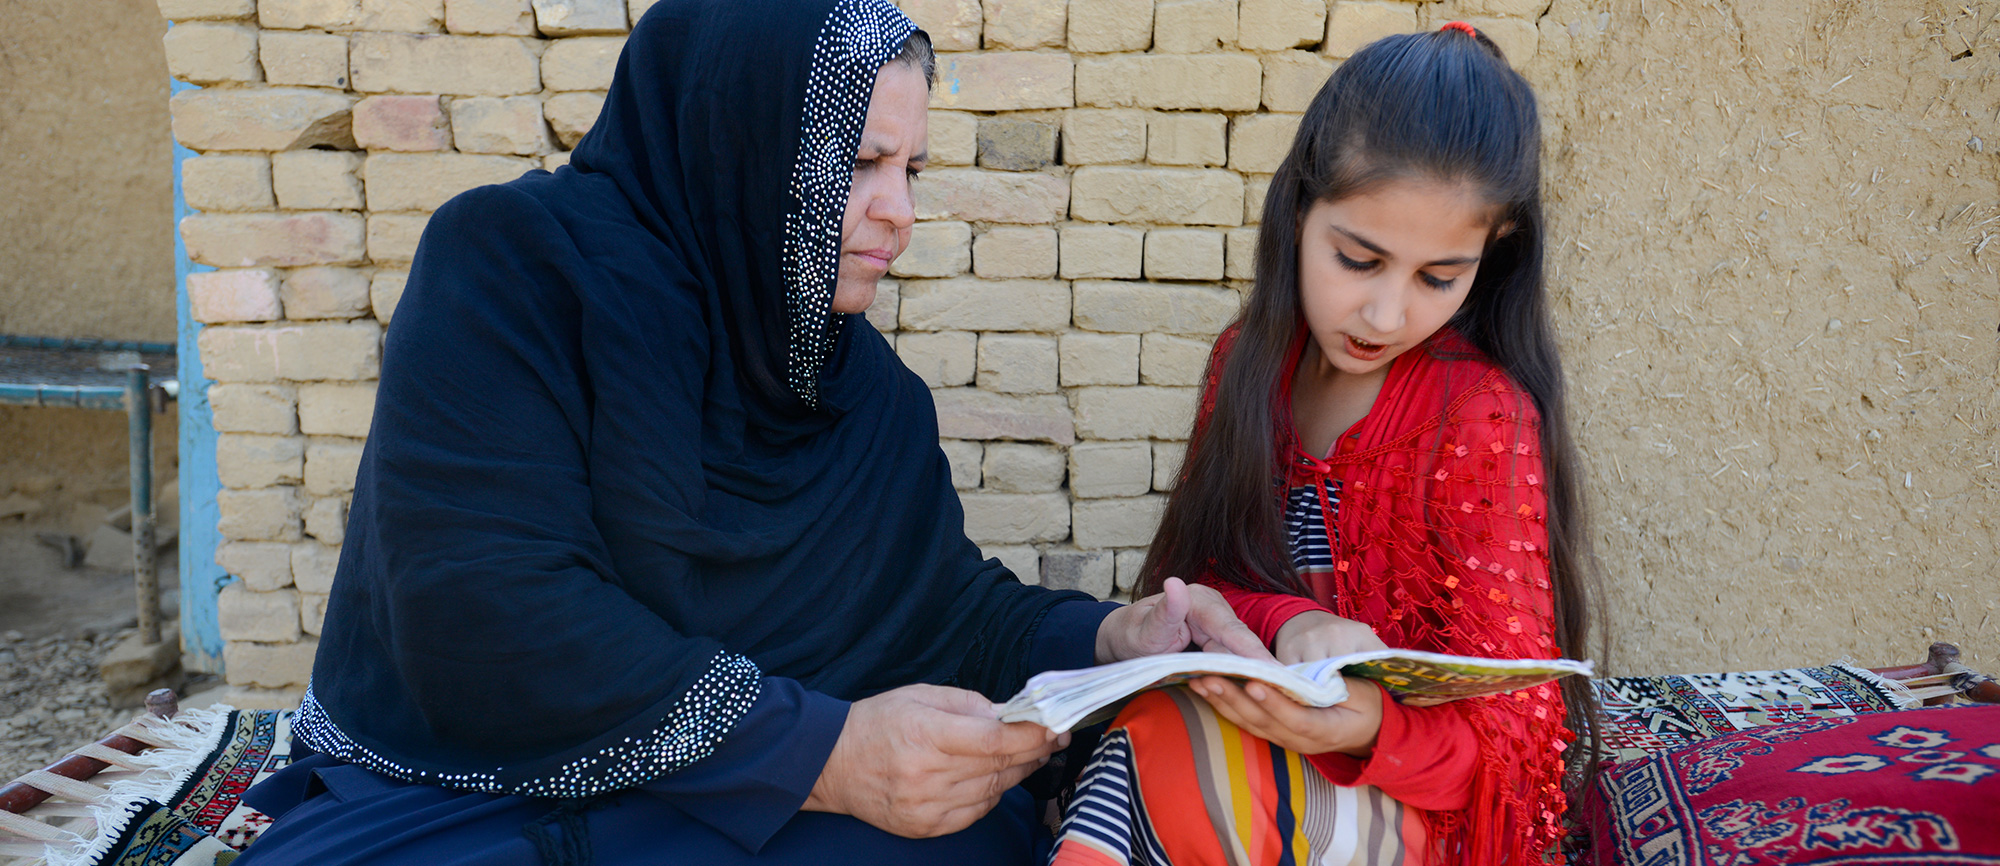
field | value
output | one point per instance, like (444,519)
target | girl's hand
(1316,635)
(1348,728)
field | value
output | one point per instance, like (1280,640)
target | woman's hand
(1348,728)
(1168,622)
(1316,635)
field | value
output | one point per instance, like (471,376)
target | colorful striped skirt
(1172,782)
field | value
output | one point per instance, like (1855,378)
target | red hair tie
(1467,29)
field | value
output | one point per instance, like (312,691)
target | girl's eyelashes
(1435,282)
(1438,283)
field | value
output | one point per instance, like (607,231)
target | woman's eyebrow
(871,145)
(1377,249)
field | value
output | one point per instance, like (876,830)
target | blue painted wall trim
(201,579)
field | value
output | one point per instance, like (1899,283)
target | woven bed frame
(31,806)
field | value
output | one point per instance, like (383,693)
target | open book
(1061,700)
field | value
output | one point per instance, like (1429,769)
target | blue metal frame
(201,579)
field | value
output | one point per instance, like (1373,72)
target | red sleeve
(1264,612)
(1424,757)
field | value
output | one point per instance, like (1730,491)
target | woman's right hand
(1316,635)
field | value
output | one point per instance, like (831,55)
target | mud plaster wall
(1771,243)
(86,199)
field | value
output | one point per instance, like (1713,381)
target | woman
(1381,457)
(653,535)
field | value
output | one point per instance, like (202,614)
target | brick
(1093,136)
(1089,571)
(1139,412)
(414,16)
(1164,360)
(317,180)
(1259,142)
(505,125)
(1354,23)
(384,290)
(1023,560)
(263,565)
(1239,260)
(1187,138)
(1183,254)
(970,413)
(580,17)
(336,408)
(411,16)
(234,296)
(342,351)
(1020,467)
(1518,39)
(1139,308)
(965,458)
(393,237)
(1004,81)
(1156,195)
(1013,144)
(1101,252)
(572,114)
(584,63)
(556,160)
(268,665)
(1100,523)
(193,10)
(458,65)
(325,293)
(952,24)
(985,305)
(1098,359)
(1274,25)
(1104,469)
(326,520)
(489,17)
(212,53)
(1225,82)
(990,196)
(1130,565)
(1017,363)
(264,514)
(222,184)
(303,59)
(1254,190)
(1194,26)
(331,465)
(1024,24)
(425,181)
(281,240)
(243,614)
(937,249)
(1104,26)
(1167,457)
(1529,9)
(954,138)
(942,359)
(888,300)
(1015,518)
(265,118)
(1293,78)
(1015,252)
(638,8)
(401,123)
(313,567)
(245,408)
(312,614)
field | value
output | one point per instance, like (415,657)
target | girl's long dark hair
(1440,106)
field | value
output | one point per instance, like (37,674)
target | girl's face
(1381,271)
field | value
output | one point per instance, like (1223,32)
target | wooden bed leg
(163,703)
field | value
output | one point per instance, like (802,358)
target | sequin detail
(857,38)
(703,716)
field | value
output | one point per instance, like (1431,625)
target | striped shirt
(1306,527)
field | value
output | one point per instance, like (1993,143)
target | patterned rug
(1647,715)
(188,811)
(1886,789)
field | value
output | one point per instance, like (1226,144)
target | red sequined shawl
(1440,544)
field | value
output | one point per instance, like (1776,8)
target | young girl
(1380,457)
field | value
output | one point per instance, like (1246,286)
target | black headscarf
(626,464)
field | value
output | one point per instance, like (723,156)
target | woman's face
(1381,271)
(876,227)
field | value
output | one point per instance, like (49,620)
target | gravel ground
(51,699)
